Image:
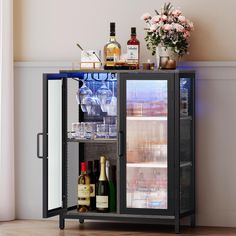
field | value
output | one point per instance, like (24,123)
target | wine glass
(92,103)
(83,94)
(104,95)
(112,107)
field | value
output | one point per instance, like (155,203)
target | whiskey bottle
(112,50)
(133,50)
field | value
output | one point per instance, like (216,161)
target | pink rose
(153,28)
(179,28)
(182,19)
(155,19)
(167,27)
(146,16)
(186,34)
(163,18)
(176,12)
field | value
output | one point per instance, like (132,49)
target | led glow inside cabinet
(150,120)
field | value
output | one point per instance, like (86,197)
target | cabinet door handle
(38,145)
(120,143)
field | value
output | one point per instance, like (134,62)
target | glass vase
(166,58)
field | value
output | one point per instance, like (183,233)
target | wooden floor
(50,228)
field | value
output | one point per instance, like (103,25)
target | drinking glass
(84,93)
(89,130)
(102,130)
(112,107)
(104,95)
(112,131)
(93,103)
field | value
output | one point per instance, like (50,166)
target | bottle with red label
(133,50)
(83,190)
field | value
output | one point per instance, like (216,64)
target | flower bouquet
(168,29)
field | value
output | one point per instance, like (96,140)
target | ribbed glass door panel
(146,144)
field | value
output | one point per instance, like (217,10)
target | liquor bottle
(133,50)
(83,190)
(110,171)
(92,186)
(102,194)
(112,50)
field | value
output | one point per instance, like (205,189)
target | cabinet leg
(192,221)
(177,226)
(81,221)
(61,222)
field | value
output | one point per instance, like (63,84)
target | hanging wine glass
(112,107)
(82,94)
(104,95)
(92,103)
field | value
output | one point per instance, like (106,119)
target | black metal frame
(172,214)
(153,76)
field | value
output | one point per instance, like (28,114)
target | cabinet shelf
(162,164)
(186,118)
(112,215)
(92,140)
(144,118)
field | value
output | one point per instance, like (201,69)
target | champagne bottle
(112,50)
(102,195)
(92,185)
(83,190)
(112,191)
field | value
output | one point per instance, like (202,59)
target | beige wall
(49,29)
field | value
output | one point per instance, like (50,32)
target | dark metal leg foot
(61,223)
(177,226)
(81,221)
(192,221)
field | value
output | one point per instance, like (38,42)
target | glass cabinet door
(146,144)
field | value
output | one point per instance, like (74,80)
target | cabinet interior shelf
(92,140)
(162,164)
(143,118)
(186,118)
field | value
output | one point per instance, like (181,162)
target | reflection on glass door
(146,142)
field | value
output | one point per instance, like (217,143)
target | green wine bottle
(102,194)
(112,195)
(92,186)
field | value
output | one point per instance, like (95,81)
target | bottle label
(84,202)
(92,190)
(132,53)
(102,201)
(83,190)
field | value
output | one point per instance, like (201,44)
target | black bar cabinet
(152,147)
